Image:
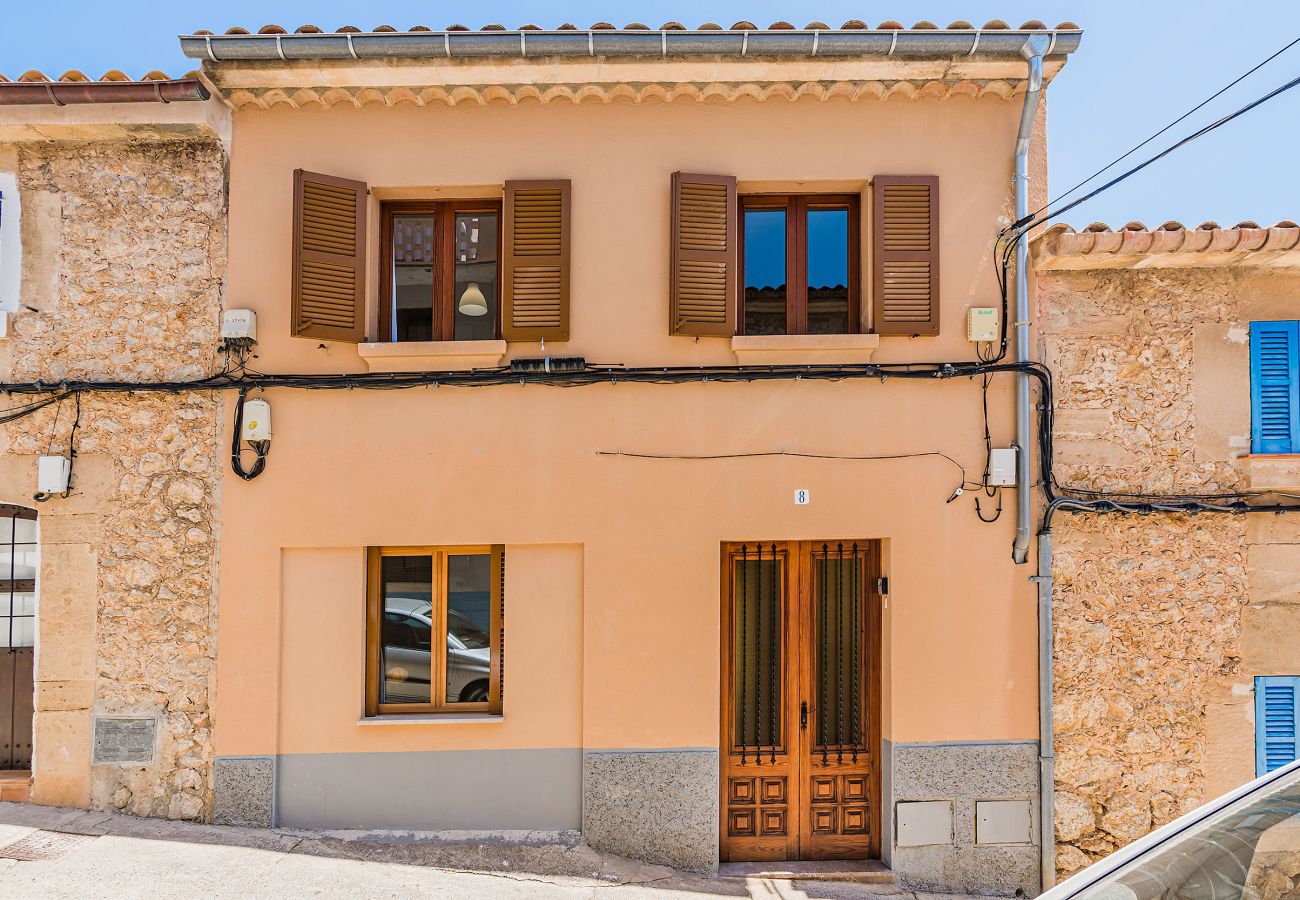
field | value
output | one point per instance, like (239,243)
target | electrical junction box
(239,325)
(982,324)
(1002,467)
(257,421)
(920,823)
(52,473)
(1004,822)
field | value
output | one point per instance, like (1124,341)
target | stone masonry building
(1163,621)
(121,209)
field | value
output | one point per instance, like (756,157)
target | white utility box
(52,473)
(1004,822)
(239,325)
(1002,467)
(257,421)
(982,324)
(918,823)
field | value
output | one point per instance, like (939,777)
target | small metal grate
(44,845)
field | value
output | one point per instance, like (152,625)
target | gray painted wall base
(656,806)
(244,791)
(962,774)
(461,790)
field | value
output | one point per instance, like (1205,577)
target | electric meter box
(257,421)
(982,324)
(239,325)
(52,473)
(1002,467)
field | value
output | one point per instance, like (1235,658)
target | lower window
(434,629)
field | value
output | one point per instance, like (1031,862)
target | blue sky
(1141,65)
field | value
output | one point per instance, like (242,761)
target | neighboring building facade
(112,265)
(1174,355)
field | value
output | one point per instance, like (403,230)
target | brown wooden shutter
(905,254)
(704,255)
(329,258)
(537,229)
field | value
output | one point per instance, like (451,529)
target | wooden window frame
(438,648)
(444,278)
(796,208)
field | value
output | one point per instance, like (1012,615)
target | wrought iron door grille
(840,614)
(759,576)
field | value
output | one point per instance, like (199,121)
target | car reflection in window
(408,651)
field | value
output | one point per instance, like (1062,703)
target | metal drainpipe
(1046,727)
(1033,50)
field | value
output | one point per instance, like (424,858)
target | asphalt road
(96,855)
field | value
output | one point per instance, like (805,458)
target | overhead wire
(1136,147)
(235,375)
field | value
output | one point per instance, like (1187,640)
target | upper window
(433,632)
(1277,709)
(799,263)
(17,577)
(1274,387)
(10,247)
(440,277)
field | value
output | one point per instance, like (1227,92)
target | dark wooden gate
(17,634)
(16,707)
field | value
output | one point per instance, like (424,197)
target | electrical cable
(961,487)
(1021,226)
(261,448)
(1219,93)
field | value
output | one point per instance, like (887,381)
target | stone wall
(1154,660)
(123,267)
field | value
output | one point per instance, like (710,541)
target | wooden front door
(801,689)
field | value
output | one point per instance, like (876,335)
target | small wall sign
(124,740)
(802,497)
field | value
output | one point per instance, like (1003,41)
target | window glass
(828,271)
(406,632)
(1248,850)
(469,618)
(17,619)
(414,255)
(17,561)
(765,275)
(476,276)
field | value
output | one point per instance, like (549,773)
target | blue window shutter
(1277,703)
(1274,387)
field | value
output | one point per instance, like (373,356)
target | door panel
(759,821)
(800,698)
(839,819)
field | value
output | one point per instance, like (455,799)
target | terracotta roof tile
(1173,243)
(74,76)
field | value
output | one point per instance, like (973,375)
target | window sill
(434,719)
(802,349)
(1272,471)
(432,356)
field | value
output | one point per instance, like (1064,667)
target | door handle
(803,715)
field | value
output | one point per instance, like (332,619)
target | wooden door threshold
(866,871)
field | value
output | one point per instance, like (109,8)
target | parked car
(408,653)
(1245,844)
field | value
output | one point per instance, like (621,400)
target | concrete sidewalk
(92,855)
